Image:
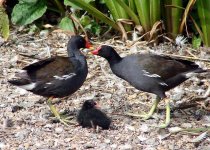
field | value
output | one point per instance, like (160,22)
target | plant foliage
(4,23)
(121,15)
(26,11)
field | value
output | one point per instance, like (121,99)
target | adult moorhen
(91,116)
(150,73)
(57,76)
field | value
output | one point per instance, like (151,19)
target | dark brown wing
(47,69)
(164,66)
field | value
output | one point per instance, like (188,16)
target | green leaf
(176,14)
(143,9)
(4,23)
(96,29)
(203,7)
(26,11)
(66,24)
(85,20)
(129,11)
(95,12)
(68,3)
(196,42)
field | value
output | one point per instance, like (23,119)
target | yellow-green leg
(150,113)
(168,115)
(62,119)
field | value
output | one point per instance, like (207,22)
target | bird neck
(114,58)
(74,51)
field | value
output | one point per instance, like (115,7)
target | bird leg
(168,116)
(150,113)
(62,119)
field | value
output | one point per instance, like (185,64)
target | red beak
(95,52)
(87,44)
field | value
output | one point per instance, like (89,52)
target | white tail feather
(28,86)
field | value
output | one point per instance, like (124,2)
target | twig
(78,22)
(191,54)
(187,57)
(30,56)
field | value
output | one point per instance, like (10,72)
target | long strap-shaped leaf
(144,13)
(186,12)
(204,15)
(129,12)
(95,12)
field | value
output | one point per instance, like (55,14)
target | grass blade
(96,13)
(144,13)
(204,16)
(176,15)
(186,12)
(129,12)
(154,11)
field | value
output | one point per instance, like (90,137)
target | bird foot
(66,120)
(143,116)
(163,125)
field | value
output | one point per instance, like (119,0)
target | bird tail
(19,82)
(196,72)
(200,70)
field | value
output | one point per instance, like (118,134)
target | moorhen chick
(90,116)
(57,76)
(150,73)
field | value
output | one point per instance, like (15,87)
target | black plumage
(148,72)
(57,76)
(91,116)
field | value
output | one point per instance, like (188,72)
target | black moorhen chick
(91,116)
(57,76)
(150,73)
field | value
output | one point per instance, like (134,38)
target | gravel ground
(25,122)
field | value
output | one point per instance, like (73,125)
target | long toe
(148,115)
(66,121)
(143,116)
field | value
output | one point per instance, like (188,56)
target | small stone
(107,141)
(58,130)
(2,105)
(129,127)
(133,96)
(186,125)
(67,139)
(26,145)
(48,126)
(151,141)
(125,147)
(2,145)
(142,137)
(21,134)
(114,146)
(144,128)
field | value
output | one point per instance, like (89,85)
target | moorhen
(58,76)
(91,116)
(150,73)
